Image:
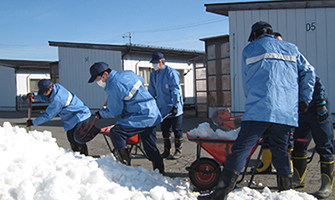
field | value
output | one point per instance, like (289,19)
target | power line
(201,23)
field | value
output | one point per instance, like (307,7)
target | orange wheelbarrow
(204,173)
(134,142)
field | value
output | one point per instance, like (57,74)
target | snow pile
(204,131)
(246,193)
(34,167)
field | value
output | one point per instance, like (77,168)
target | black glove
(321,110)
(29,122)
(26,96)
(98,114)
(174,111)
(303,107)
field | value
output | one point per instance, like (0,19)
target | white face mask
(156,66)
(100,83)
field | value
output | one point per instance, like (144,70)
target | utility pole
(129,36)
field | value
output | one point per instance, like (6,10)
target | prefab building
(75,60)
(18,77)
(308,24)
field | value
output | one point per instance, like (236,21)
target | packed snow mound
(34,167)
(204,130)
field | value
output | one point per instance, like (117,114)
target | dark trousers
(321,132)
(177,127)
(82,148)
(120,133)
(247,138)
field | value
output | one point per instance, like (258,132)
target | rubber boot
(265,165)
(284,182)
(327,177)
(81,148)
(122,155)
(226,184)
(159,165)
(299,159)
(289,151)
(167,147)
(178,145)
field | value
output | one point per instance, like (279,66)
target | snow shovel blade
(224,119)
(86,132)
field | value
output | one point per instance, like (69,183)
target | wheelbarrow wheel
(205,173)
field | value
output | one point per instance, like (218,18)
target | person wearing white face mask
(165,87)
(128,98)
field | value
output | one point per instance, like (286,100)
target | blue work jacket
(68,106)
(128,98)
(165,87)
(275,77)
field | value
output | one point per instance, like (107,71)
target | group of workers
(141,110)
(282,92)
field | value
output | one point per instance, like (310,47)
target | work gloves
(29,122)
(303,107)
(174,111)
(98,114)
(321,110)
(26,96)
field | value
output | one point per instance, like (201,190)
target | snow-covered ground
(34,167)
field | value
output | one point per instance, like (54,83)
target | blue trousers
(177,126)
(321,132)
(250,132)
(120,133)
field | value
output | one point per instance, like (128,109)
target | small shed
(308,24)
(212,79)
(18,77)
(75,60)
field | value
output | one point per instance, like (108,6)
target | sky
(27,26)
(33,166)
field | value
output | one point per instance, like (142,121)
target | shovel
(85,132)
(224,119)
(29,108)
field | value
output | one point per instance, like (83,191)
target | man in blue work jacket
(64,103)
(277,81)
(128,98)
(317,124)
(165,87)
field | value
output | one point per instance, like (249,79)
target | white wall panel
(310,29)
(74,64)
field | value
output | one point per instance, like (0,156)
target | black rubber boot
(122,155)
(81,148)
(159,165)
(299,166)
(178,145)
(225,185)
(327,177)
(167,147)
(284,182)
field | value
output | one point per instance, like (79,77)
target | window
(145,73)
(182,82)
(33,84)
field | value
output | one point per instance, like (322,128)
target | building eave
(129,48)
(224,8)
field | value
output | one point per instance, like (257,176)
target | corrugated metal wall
(74,64)
(8,89)
(312,30)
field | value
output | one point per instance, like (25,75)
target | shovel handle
(93,122)
(29,108)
